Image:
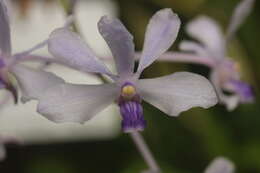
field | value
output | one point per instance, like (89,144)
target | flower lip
(132,114)
(131,109)
(244,90)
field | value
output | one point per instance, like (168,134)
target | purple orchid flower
(211,51)
(220,165)
(8,61)
(63,102)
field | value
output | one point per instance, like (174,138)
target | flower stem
(145,152)
(181,57)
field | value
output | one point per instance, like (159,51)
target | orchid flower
(220,165)
(211,51)
(7,60)
(64,102)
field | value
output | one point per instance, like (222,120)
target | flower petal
(160,34)
(241,12)
(232,101)
(194,47)
(34,83)
(178,92)
(220,165)
(73,51)
(75,103)
(241,89)
(120,42)
(5,40)
(208,32)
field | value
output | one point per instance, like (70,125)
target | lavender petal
(76,103)
(194,47)
(73,51)
(120,42)
(34,83)
(5,38)
(178,92)
(160,34)
(241,12)
(209,33)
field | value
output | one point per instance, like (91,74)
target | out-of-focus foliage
(181,145)
(200,135)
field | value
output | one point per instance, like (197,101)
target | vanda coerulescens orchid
(7,61)
(211,51)
(64,102)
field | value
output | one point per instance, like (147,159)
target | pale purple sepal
(241,12)
(244,90)
(160,34)
(209,34)
(132,113)
(70,49)
(2,64)
(5,41)
(120,42)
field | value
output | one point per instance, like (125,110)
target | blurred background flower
(183,145)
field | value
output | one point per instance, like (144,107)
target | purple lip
(132,113)
(244,90)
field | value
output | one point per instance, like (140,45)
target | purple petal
(178,92)
(76,103)
(160,34)
(209,33)
(230,101)
(220,165)
(194,47)
(2,63)
(120,42)
(241,12)
(34,83)
(5,40)
(71,50)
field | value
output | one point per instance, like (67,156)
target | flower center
(128,91)
(131,109)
